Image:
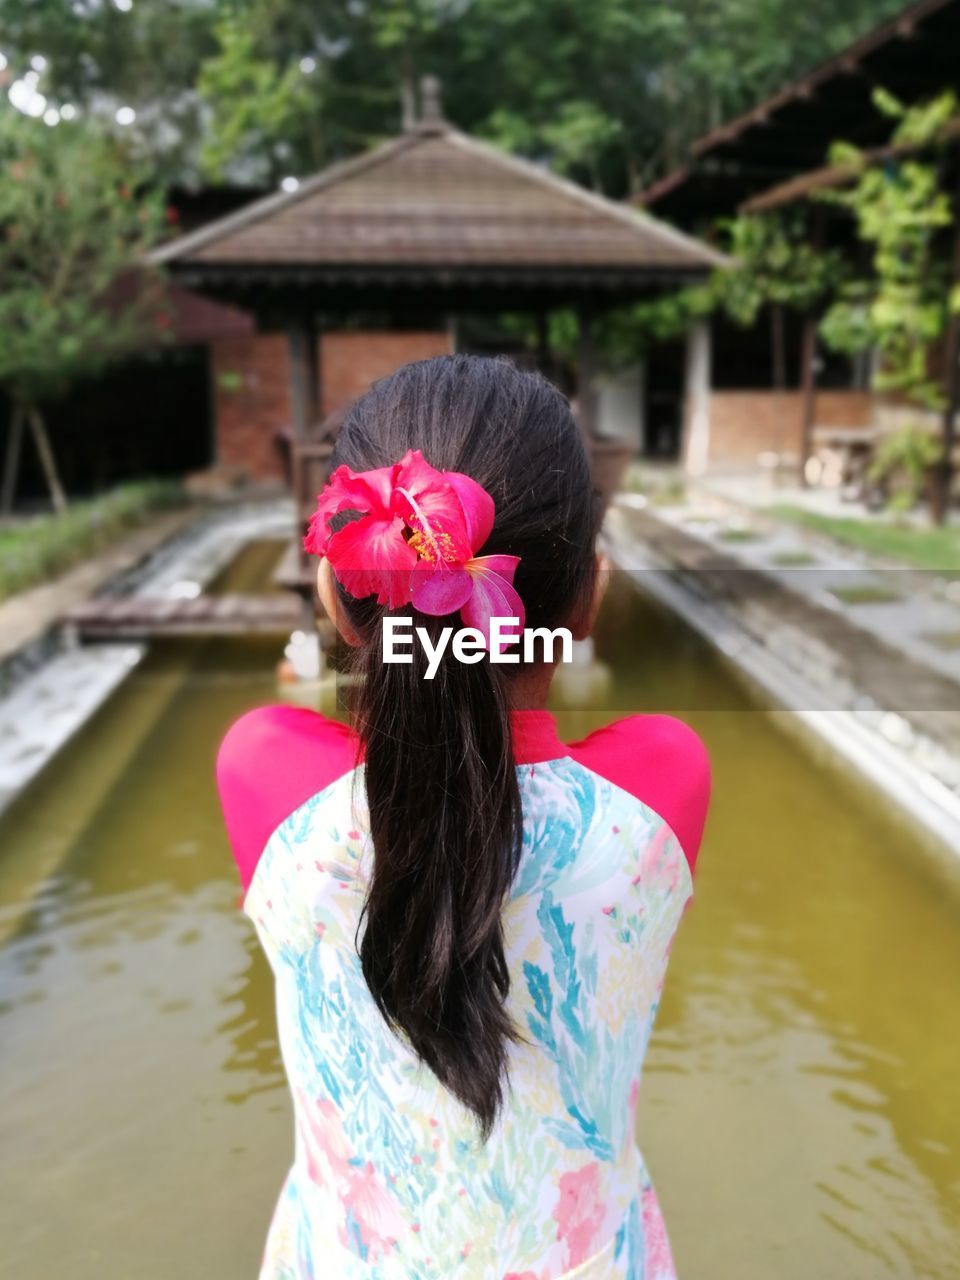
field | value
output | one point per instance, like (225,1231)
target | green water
(800,1111)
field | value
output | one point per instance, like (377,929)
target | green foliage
(669,316)
(580,134)
(621,334)
(73,222)
(31,551)
(257,108)
(775,264)
(902,462)
(99,57)
(925,547)
(903,307)
(611,92)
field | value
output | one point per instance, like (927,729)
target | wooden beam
(314,376)
(585,373)
(543,342)
(298,338)
(952,375)
(808,370)
(11,466)
(809,387)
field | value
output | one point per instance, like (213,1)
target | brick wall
(251,397)
(351,362)
(252,387)
(744,424)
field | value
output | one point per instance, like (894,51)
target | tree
(268,107)
(99,57)
(776,265)
(75,222)
(611,92)
(903,308)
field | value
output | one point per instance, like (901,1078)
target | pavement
(914,611)
(842,641)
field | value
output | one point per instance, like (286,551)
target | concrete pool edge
(52,701)
(28,617)
(915,791)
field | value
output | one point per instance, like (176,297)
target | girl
(468,920)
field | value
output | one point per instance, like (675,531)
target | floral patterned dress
(389,1177)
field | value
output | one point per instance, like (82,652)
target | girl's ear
(327,591)
(588,616)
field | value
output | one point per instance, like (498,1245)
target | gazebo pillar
(585,373)
(304,388)
(696,406)
(314,374)
(453,332)
(543,342)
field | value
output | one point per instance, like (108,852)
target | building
(769,158)
(390,256)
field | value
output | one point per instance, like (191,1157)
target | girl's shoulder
(663,763)
(271,760)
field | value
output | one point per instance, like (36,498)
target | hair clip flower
(414,541)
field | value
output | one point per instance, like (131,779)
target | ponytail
(446,823)
(441,783)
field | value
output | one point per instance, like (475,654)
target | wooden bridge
(148,618)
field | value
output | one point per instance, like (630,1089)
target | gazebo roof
(436,207)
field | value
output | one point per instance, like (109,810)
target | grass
(35,550)
(671,494)
(948,641)
(739,535)
(663,490)
(923,548)
(794,559)
(865,593)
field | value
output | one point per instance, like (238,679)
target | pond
(800,1110)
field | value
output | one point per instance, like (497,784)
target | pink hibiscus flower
(414,540)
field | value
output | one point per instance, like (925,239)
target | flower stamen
(436,547)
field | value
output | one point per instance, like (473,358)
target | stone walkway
(845,671)
(911,610)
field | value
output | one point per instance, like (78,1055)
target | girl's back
(392,1175)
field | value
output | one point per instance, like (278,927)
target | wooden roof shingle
(436,200)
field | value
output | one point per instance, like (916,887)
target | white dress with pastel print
(389,1178)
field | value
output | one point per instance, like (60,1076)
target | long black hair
(441,784)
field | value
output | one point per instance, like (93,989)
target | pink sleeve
(663,763)
(270,762)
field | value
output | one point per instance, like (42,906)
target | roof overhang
(436,210)
(788,135)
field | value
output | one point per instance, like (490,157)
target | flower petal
(372,557)
(478,508)
(505,566)
(346,490)
(429,499)
(493,594)
(439,591)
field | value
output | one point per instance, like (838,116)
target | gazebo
(432,221)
